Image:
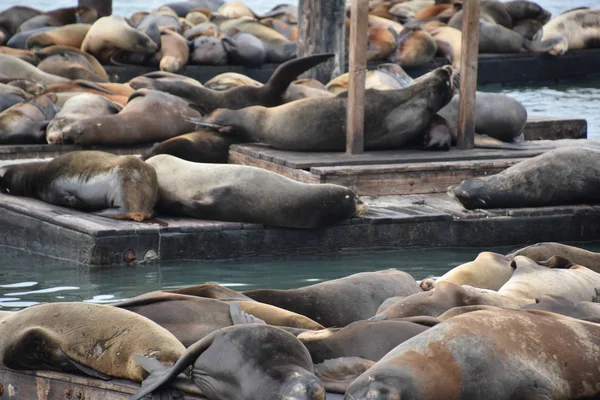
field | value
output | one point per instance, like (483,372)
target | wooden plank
(468,75)
(296,174)
(355,107)
(539,127)
(104,7)
(321,30)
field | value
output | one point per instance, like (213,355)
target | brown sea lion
(261,361)
(448,41)
(531,280)
(339,302)
(68,35)
(71,63)
(210,291)
(304,89)
(196,18)
(174,51)
(393,118)
(543,251)
(576,29)
(29,86)
(415,47)
(60,17)
(81,86)
(120,187)
(586,310)
(491,353)
(386,76)
(154,80)
(148,116)
(25,55)
(432,11)
(288,30)
(25,123)
(12,17)
(202,146)
(93,339)
(213,191)
(562,176)
(16,68)
(204,29)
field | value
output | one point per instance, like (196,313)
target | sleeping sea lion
(543,251)
(120,187)
(71,63)
(585,310)
(12,17)
(244,48)
(16,68)
(25,55)
(174,51)
(415,47)
(208,50)
(68,35)
(575,29)
(60,17)
(228,80)
(214,191)
(25,123)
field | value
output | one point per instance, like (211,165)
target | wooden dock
(517,68)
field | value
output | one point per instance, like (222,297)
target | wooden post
(104,7)
(321,30)
(468,75)
(355,115)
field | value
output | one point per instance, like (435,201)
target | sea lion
(529,28)
(442,298)
(71,63)
(384,23)
(204,29)
(161,20)
(287,13)
(19,40)
(148,116)
(201,146)
(119,187)
(470,357)
(84,105)
(531,280)
(488,271)
(235,9)
(19,69)
(304,89)
(386,76)
(245,49)
(290,31)
(213,192)
(154,80)
(269,95)
(12,18)
(181,8)
(575,29)
(492,11)
(25,55)
(174,51)
(25,123)
(543,251)
(60,17)
(196,18)
(210,291)
(261,361)
(228,80)
(93,339)
(108,35)
(68,35)
(415,47)
(10,95)
(448,41)
(329,302)
(562,176)
(392,117)
(433,11)
(81,86)
(29,86)
(381,42)
(585,310)
(521,10)
(208,50)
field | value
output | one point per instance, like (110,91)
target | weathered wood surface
(518,68)
(104,7)
(468,75)
(23,151)
(321,30)
(540,127)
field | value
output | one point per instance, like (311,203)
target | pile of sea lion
(523,324)
(409,33)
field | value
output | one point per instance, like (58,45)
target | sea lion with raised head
(148,116)
(25,123)
(561,176)
(489,353)
(120,187)
(93,339)
(237,193)
(543,251)
(339,302)
(393,118)
(260,361)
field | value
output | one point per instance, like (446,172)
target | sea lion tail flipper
(83,368)
(289,71)
(378,317)
(543,46)
(240,317)
(201,122)
(488,142)
(338,373)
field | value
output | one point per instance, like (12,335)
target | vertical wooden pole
(321,30)
(468,75)
(104,7)
(355,116)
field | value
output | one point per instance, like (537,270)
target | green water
(27,279)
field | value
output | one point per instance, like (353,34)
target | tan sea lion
(120,187)
(81,86)
(261,361)
(562,176)
(543,251)
(153,80)
(576,29)
(304,89)
(16,68)
(448,41)
(313,124)
(287,30)
(415,47)
(339,302)
(93,339)
(386,76)
(210,291)
(19,40)
(202,146)
(204,29)
(491,353)
(212,191)
(111,34)
(235,9)
(432,11)
(25,123)
(82,106)
(384,23)
(60,17)
(68,35)
(25,55)
(286,12)
(196,18)
(228,80)
(531,280)
(71,63)
(148,116)
(174,51)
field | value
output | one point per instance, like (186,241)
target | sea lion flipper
(240,317)
(338,373)
(203,109)
(378,317)
(289,71)
(542,46)
(85,369)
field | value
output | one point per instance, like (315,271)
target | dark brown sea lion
(543,251)
(60,17)
(71,63)
(562,176)
(229,193)
(244,48)
(393,118)
(148,116)
(203,146)
(339,302)
(120,187)
(261,362)
(25,123)
(19,40)
(93,339)
(492,353)
(12,18)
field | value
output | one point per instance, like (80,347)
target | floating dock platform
(505,69)
(426,217)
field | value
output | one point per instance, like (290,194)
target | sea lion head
(561,47)
(470,193)
(389,383)
(70,133)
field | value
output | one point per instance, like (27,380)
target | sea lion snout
(304,390)
(361,207)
